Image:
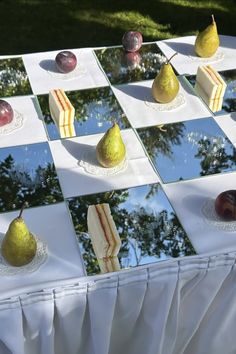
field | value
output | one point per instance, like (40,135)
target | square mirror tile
(95,111)
(122,67)
(147,225)
(13,78)
(28,174)
(189,149)
(229,99)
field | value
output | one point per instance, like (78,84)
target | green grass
(31,26)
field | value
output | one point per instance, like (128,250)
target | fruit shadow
(195,202)
(138,92)
(48,65)
(182,48)
(80,151)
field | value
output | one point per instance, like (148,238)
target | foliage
(18,185)
(13,78)
(84,23)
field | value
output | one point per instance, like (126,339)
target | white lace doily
(165,107)
(211,217)
(77,73)
(218,56)
(90,165)
(15,124)
(38,260)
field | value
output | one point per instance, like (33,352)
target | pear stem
(213,19)
(171,57)
(22,209)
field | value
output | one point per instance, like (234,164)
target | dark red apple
(225,205)
(66,61)
(6,113)
(132,41)
(131,60)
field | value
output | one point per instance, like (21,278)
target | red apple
(6,113)
(66,61)
(225,205)
(132,41)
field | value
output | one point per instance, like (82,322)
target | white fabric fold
(178,306)
(70,308)
(37,318)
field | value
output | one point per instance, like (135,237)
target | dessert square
(229,98)
(79,172)
(27,126)
(122,67)
(14,80)
(142,110)
(188,149)
(95,111)
(146,222)
(52,225)
(28,174)
(44,76)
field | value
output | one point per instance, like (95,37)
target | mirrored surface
(188,149)
(95,111)
(229,99)
(122,67)
(28,174)
(13,78)
(148,227)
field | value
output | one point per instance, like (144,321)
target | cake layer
(67,131)
(211,82)
(215,105)
(102,230)
(61,109)
(110,264)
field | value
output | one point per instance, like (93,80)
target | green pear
(110,149)
(207,41)
(165,86)
(19,245)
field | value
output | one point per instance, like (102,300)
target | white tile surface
(42,80)
(75,180)
(227,122)
(52,224)
(134,101)
(186,61)
(188,198)
(32,130)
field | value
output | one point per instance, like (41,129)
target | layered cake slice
(102,230)
(104,236)
(210,86)
(62,111)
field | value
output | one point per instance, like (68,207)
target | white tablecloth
(180,306)
(177,307)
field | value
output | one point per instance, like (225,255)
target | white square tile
(40,69)
(32,129)
(188,198)
(51,224)
(186,62)
(227,122)
(135,100)
(75,181)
